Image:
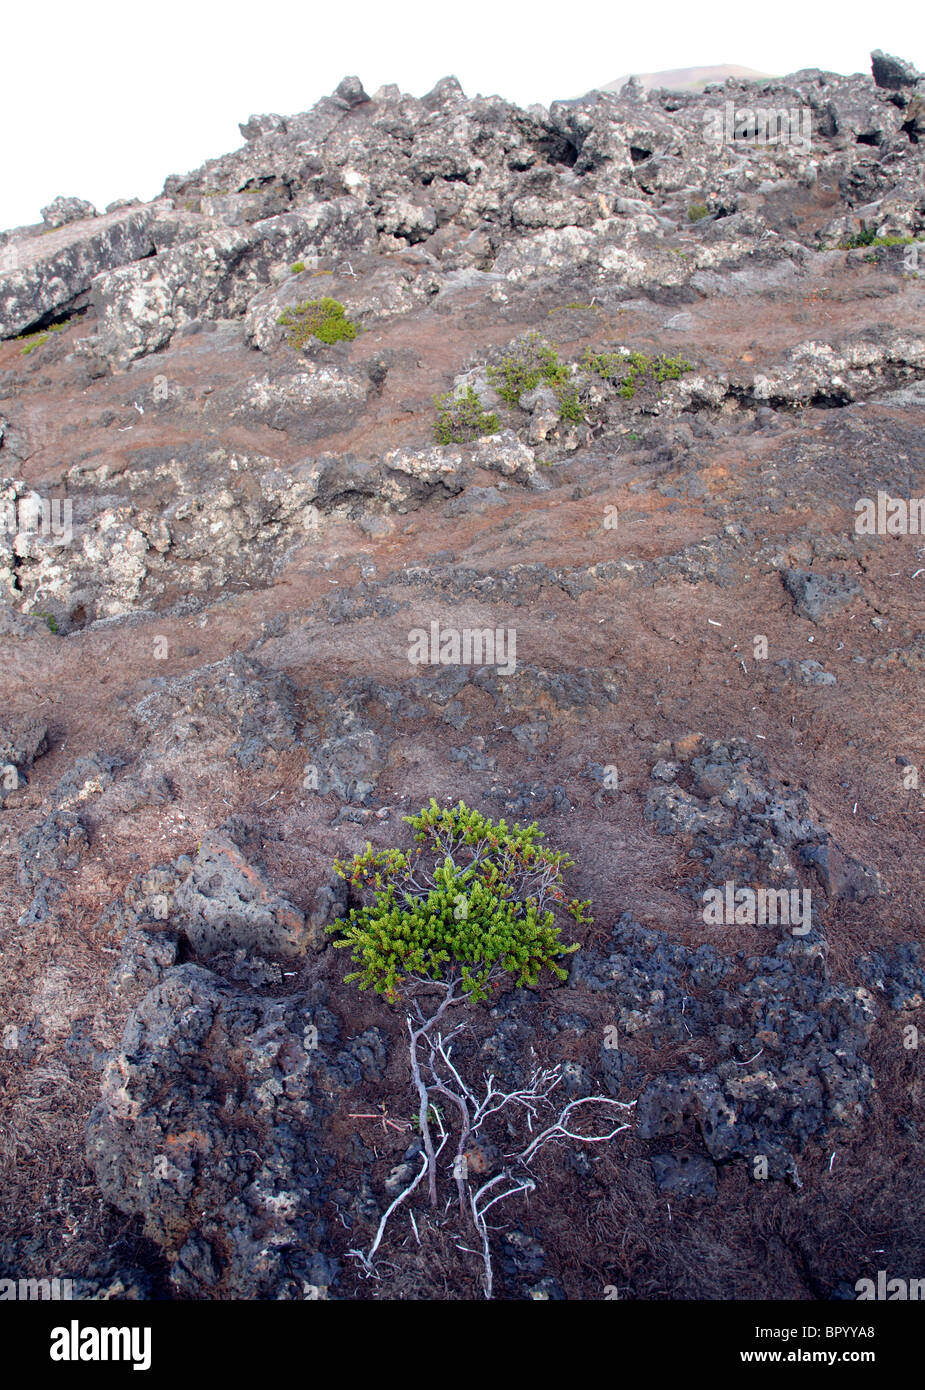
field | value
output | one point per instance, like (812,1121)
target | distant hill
(688,79)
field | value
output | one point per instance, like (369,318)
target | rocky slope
(701,350)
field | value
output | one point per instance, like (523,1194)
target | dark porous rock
(23,738)
(899,973)
(841,875)
(892,73)
(816,596)
(86,777)
(236,698)
(147,954)
(211,1127)
(729,811)
(790,1043)
(54,844)
(225,903)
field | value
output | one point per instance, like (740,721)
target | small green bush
(324,319)
(460,419)
(697,211)
(472,898)
(523,368)
(631,369)
(534,362)
(570,408)
(869,238)
(297,267)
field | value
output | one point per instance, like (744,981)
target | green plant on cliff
(630,369)
(461,419)
(472,900)
(533,362)
(324,319)
(525,366)
(37,338)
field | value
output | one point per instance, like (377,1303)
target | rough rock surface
(213,681)
(238,1132)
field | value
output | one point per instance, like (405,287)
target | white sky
(103,100)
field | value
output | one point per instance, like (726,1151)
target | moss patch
(35,340)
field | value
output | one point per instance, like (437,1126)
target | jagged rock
(315,401)
(816,596)
(790,1043)
(140,307)
(892,73)
(64,210)
(147,955)
(54,844)
(225,903)
(23,738)
(236,699)
(88,776)
(49,275)
(384,290)
(211,1128)
(899,973)
(733,815)
(256,126)
(350,92)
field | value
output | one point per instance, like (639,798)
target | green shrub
(324,319)
(697,211)
(297,267)
(571,409)
(460,419)
(869,238)
(525,366)
(534,362)
(858,239)
(471,900)
(631,369)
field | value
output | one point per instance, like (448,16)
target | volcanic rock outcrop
(477,452)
